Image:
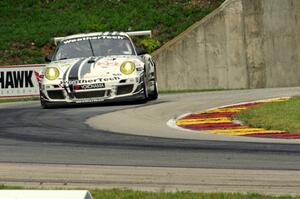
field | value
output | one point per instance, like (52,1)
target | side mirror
(48,58)
(140,51)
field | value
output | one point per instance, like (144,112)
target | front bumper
(124,89)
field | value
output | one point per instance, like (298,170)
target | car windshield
(94,46)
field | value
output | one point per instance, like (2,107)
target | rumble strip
(221,121)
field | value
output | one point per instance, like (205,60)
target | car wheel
(44,103)
(146,96)
(154,94)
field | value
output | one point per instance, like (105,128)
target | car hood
(93,67)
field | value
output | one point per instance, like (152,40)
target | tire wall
(242,44)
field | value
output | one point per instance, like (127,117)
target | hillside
(27,26)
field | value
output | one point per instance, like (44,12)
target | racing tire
(154,94)
(145,91)
(146,96)
(44,103)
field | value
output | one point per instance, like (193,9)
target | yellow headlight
(127,68)
(52,73)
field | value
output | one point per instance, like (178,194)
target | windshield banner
(19,80)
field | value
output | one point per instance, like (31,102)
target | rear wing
(132,33)
(58,39)
(140,33)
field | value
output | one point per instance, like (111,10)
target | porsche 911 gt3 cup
(96,67)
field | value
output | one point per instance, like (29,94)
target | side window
(127,49)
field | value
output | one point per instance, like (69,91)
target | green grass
(2,186)
(274,115)
(130,194)
(27,26)
(19,99)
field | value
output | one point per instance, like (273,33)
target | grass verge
(19,99)
(130,194)
(274,115)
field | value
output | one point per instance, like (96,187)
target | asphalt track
(30,135)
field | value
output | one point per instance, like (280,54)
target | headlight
(127,68)
(52,73)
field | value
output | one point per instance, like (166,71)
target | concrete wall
(281,20)
(242,44)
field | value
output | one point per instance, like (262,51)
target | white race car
(95,67)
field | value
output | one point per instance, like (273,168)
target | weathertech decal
(118,37)
(221,121)
(98,80)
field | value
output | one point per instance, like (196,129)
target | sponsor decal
(107,63)
(18,81)
(89,86)
(89,100)
(221,121)
(116,37)
(38,76)
(90,81)
(139,69)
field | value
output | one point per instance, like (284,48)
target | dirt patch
(47,49)
(20,53)
(8,59)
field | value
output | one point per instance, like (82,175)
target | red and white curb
(221,121)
